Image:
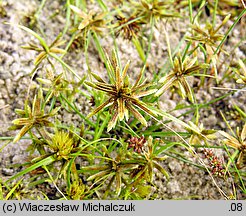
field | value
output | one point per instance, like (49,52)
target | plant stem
(229,30)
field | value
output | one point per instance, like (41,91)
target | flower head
(62,143)
(154,9)
(181,69)
(44,52)
(128,27)
(237,142)
(137,143)
(199,133)
(208,36)
(55,84)
(123,98)
(33,117)
(91,20)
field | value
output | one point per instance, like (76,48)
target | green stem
(232,160)
(150,39)
(102,56)
(43,162)
(77,111)
(39,9)
(75,14)
(101,127)
(64,64)
(190,11)
(200,106)
(87,43)
(68,14)
(214,13)
(186,50)
(53,181)
(229,30)
(68,44)
(169,48)
(239,110)
(41,40)
(102,5)
(139,48)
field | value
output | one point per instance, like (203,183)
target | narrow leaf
(43,162)
(167,84)
(99,108)
(125,70)
(113,121)
(144,93)
(98,175)
(22,132)
(136,114)
(121,108)
(118,183)
(99,79)
(161,169)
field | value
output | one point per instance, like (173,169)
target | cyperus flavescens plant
(241,73)
(123,97)
(114,168)
(77,190)
(208,36)
(154,10)
(62,143)
(54,85)
(150,159)
(137,144)
(126,169)
(44,51)
(91,21)
(181,69)
(128,27)
(33,117)
(215,163)
(223,6)
(237,142)
(234,7)
(199,134)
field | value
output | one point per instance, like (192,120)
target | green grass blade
(41,40)
(230,30)
(77,111)
(102,5)
(102,127)
(139,48)
(174,119)
(43,162)
(11,192)
(215,12)
(1,190)
(68,15)
(190,11)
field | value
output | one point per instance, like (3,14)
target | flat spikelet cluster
(62,143)
(123,98)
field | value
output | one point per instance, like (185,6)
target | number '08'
(236,206)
